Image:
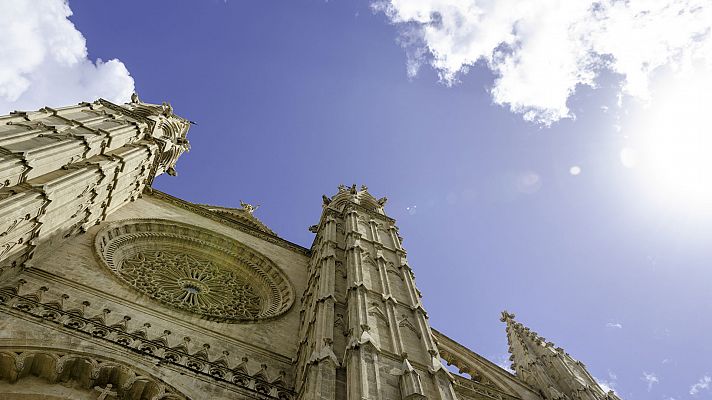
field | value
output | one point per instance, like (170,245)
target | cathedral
(110,289)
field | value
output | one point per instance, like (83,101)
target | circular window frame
(117,241)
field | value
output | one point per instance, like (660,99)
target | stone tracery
(192,283)
(194,269)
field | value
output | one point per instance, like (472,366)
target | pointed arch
(84,372)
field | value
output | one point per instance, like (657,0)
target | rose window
(194,269)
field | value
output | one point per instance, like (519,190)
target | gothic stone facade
(111,290)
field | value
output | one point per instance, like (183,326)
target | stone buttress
(364,333)
(63,170)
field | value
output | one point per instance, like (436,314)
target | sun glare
(671,142)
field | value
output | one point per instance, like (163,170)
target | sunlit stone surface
(111,290)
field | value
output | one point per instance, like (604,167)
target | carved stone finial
(248,207)
(364,188)
(353,189)
(506,316)
(342,188)
(167,109)
(325,199)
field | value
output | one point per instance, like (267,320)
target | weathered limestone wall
(20,335)
(70,267)
(110,289)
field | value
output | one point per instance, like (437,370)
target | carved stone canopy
(194,269)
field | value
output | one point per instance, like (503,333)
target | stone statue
(248,207)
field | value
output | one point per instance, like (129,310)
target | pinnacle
(549,369)
(358,195)
(514,327)
(525,345)
(507,316)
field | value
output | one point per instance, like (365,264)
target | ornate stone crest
(194,269)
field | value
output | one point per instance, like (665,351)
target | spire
(549,369)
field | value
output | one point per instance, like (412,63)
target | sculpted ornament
(192,283)
(194,269)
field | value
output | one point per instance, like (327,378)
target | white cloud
(617,325)
(43,60)
(609,384)
(605,385)
(542,50)
(650,379)
(702,384)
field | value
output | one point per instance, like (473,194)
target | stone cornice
(486,392)
(125,111)
(139,342)
(154,313)
(230,222)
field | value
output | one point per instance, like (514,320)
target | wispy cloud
(608,384)
(616,325)
(650,378)
(44,61)
(503,362)
(542,51)
(702,384)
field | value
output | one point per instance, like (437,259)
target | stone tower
(363,331)
(112,290)
(549,369)
(64,170)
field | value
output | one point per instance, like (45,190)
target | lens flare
(672,141)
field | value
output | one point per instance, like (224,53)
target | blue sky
(571,210)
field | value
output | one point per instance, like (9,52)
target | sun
(671,141)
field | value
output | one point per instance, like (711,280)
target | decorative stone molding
(243,215)
(85,372)
(220,217)
(486,378)
(477,390)
(194,269)
(260,384)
